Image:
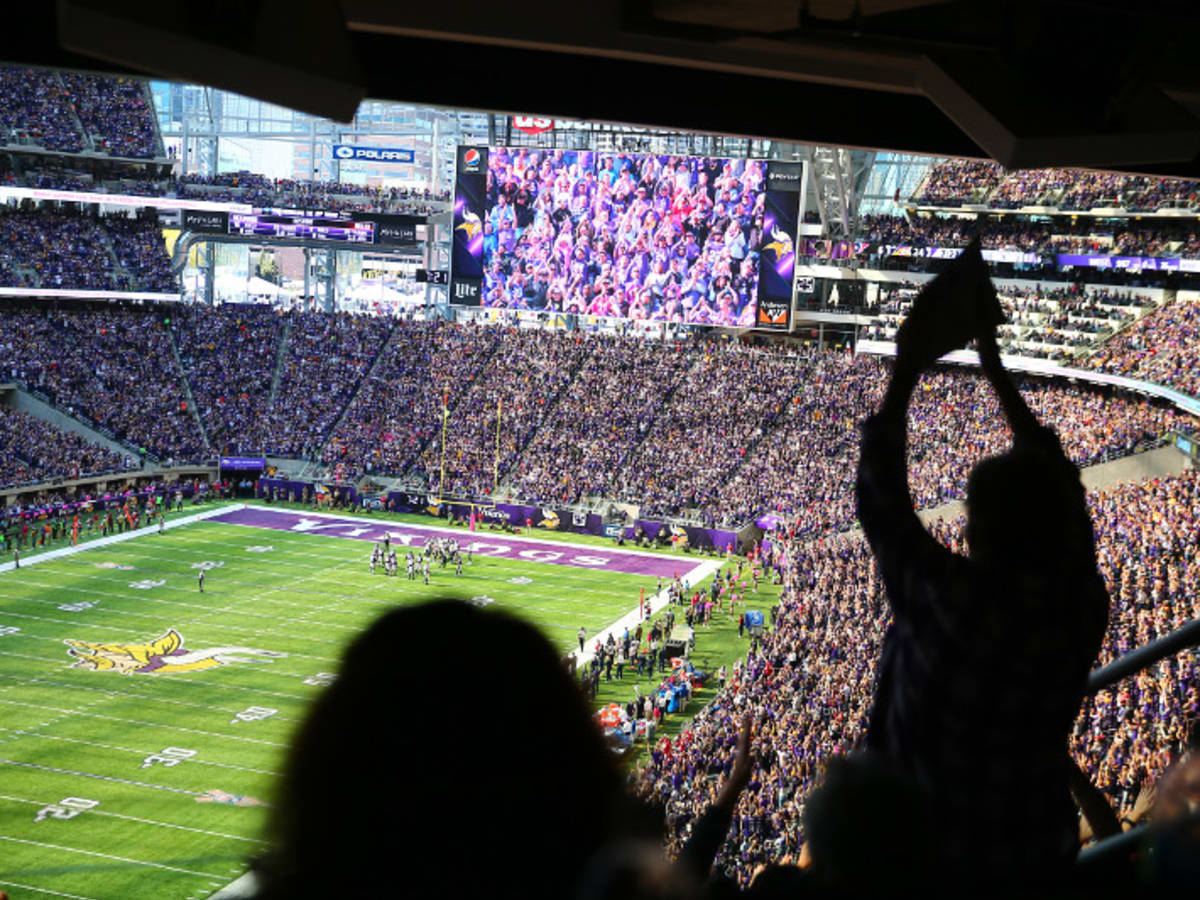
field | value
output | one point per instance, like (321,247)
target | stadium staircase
(119,272)
(280,357)
(187,389)
(160,148)
(89,143)
(27,274)
(40,406)
(1168,296)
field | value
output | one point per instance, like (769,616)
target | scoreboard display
(382,229)
(317,228)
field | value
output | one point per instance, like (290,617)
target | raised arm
(1021,420)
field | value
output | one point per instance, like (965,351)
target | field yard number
(208,565)
(259,549)
(76,607)
(253,714)
(8,629)
(168,756)
(321,679)
(66,808)
(146,583)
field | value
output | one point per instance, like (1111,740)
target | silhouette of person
(410,778)
(984,665)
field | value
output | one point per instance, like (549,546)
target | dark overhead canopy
(1104,84)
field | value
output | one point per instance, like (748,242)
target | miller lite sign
(466,292)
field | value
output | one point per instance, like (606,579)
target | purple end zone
(405,535)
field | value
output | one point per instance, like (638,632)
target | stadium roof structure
(1030,83)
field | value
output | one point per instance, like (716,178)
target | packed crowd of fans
(53,247)
(714,431)
(805,467)
(808,685)
(954,182)
(1163,348)
(114,368)
(494,417)
(326,359)
(728,401)
(116,112)
(34,107)
(48,109)
(332,196)
(228,355)
(399,408)
(1111,237)
(1026,187)
(617,395)
(32,450)
(56,249)
(141,252)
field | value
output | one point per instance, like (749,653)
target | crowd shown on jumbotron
(663,238)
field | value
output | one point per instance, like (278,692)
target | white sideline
(630,620)
(115,538)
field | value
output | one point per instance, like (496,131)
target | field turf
(119,784)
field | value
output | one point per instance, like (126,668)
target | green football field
(141,765)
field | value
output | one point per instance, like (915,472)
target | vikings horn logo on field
(163,656)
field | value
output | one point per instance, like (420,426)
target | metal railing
(1185,637)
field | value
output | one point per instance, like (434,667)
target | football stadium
(405,492)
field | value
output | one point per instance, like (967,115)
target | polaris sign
(348,153)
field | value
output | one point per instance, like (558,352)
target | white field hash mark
(124,859)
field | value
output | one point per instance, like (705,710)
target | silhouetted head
(1022,506)
(869,829)
(452,757)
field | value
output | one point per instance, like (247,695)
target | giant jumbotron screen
(630,235)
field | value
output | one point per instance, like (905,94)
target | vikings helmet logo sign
(781,245)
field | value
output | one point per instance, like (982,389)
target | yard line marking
(30,887)
(216,734)
(99,812)
(124,859)
(143,753)
(98,777)
(291,553)
(141,697)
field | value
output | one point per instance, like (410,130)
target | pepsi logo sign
(471,160)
